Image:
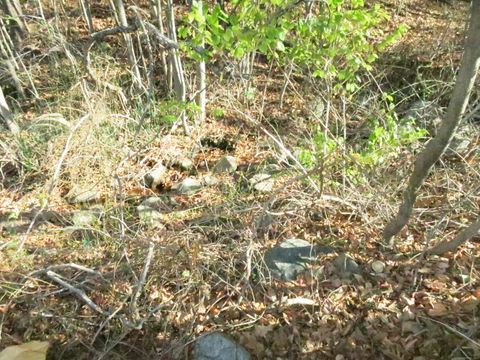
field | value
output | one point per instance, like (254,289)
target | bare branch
(100,35)
(142,280)
(435,147)
(79,293)
(65,266)
(465,235)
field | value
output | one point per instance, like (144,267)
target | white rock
(187,186)
(156,176)
(262,182)
(86,218)
(185,164)
(378,266)
(210,180)
(80,195)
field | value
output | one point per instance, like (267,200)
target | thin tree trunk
(148,61)
(201,99)
(178,74)
(435,148)
(122,20)
(18,28)
(87,15)
(6,114)
(14,62)
(157,12)
(465,235)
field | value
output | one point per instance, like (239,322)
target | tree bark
(87,15)
(465,235)
(158,15)
(201,99)
(6,114)
(122,20)
(177,66)
(435,148)
(18,28)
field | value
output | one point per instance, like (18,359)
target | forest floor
(205,257)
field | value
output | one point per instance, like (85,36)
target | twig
(100,35)
(69,265)
(452,329)
(79,293)
(105,322)
(141,281)
(163,40)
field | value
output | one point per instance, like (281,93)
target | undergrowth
(339,168)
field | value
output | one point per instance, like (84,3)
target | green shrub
(335,43)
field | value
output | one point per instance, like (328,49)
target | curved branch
(465,235)
(435,148)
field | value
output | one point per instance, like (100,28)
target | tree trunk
(18,28)
(158,15)
(201,99)
(87,15)
(6,114)
(8,55)
(174,57)
(435,148)
(122,21)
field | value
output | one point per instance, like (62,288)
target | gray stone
(425,114)
(346,265)
(290,258)
(461,143)
(262,182)
(79,195)
(217,346)
(184,164)
(210,180)
(86,218)
(226,164)
(151,210)
(156,176)
(272,168)
(187,186)
(149,216)
(317,108)
(160,202)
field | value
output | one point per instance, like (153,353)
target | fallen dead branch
(465,235)
(141,282)
(66,266)
(79,293)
